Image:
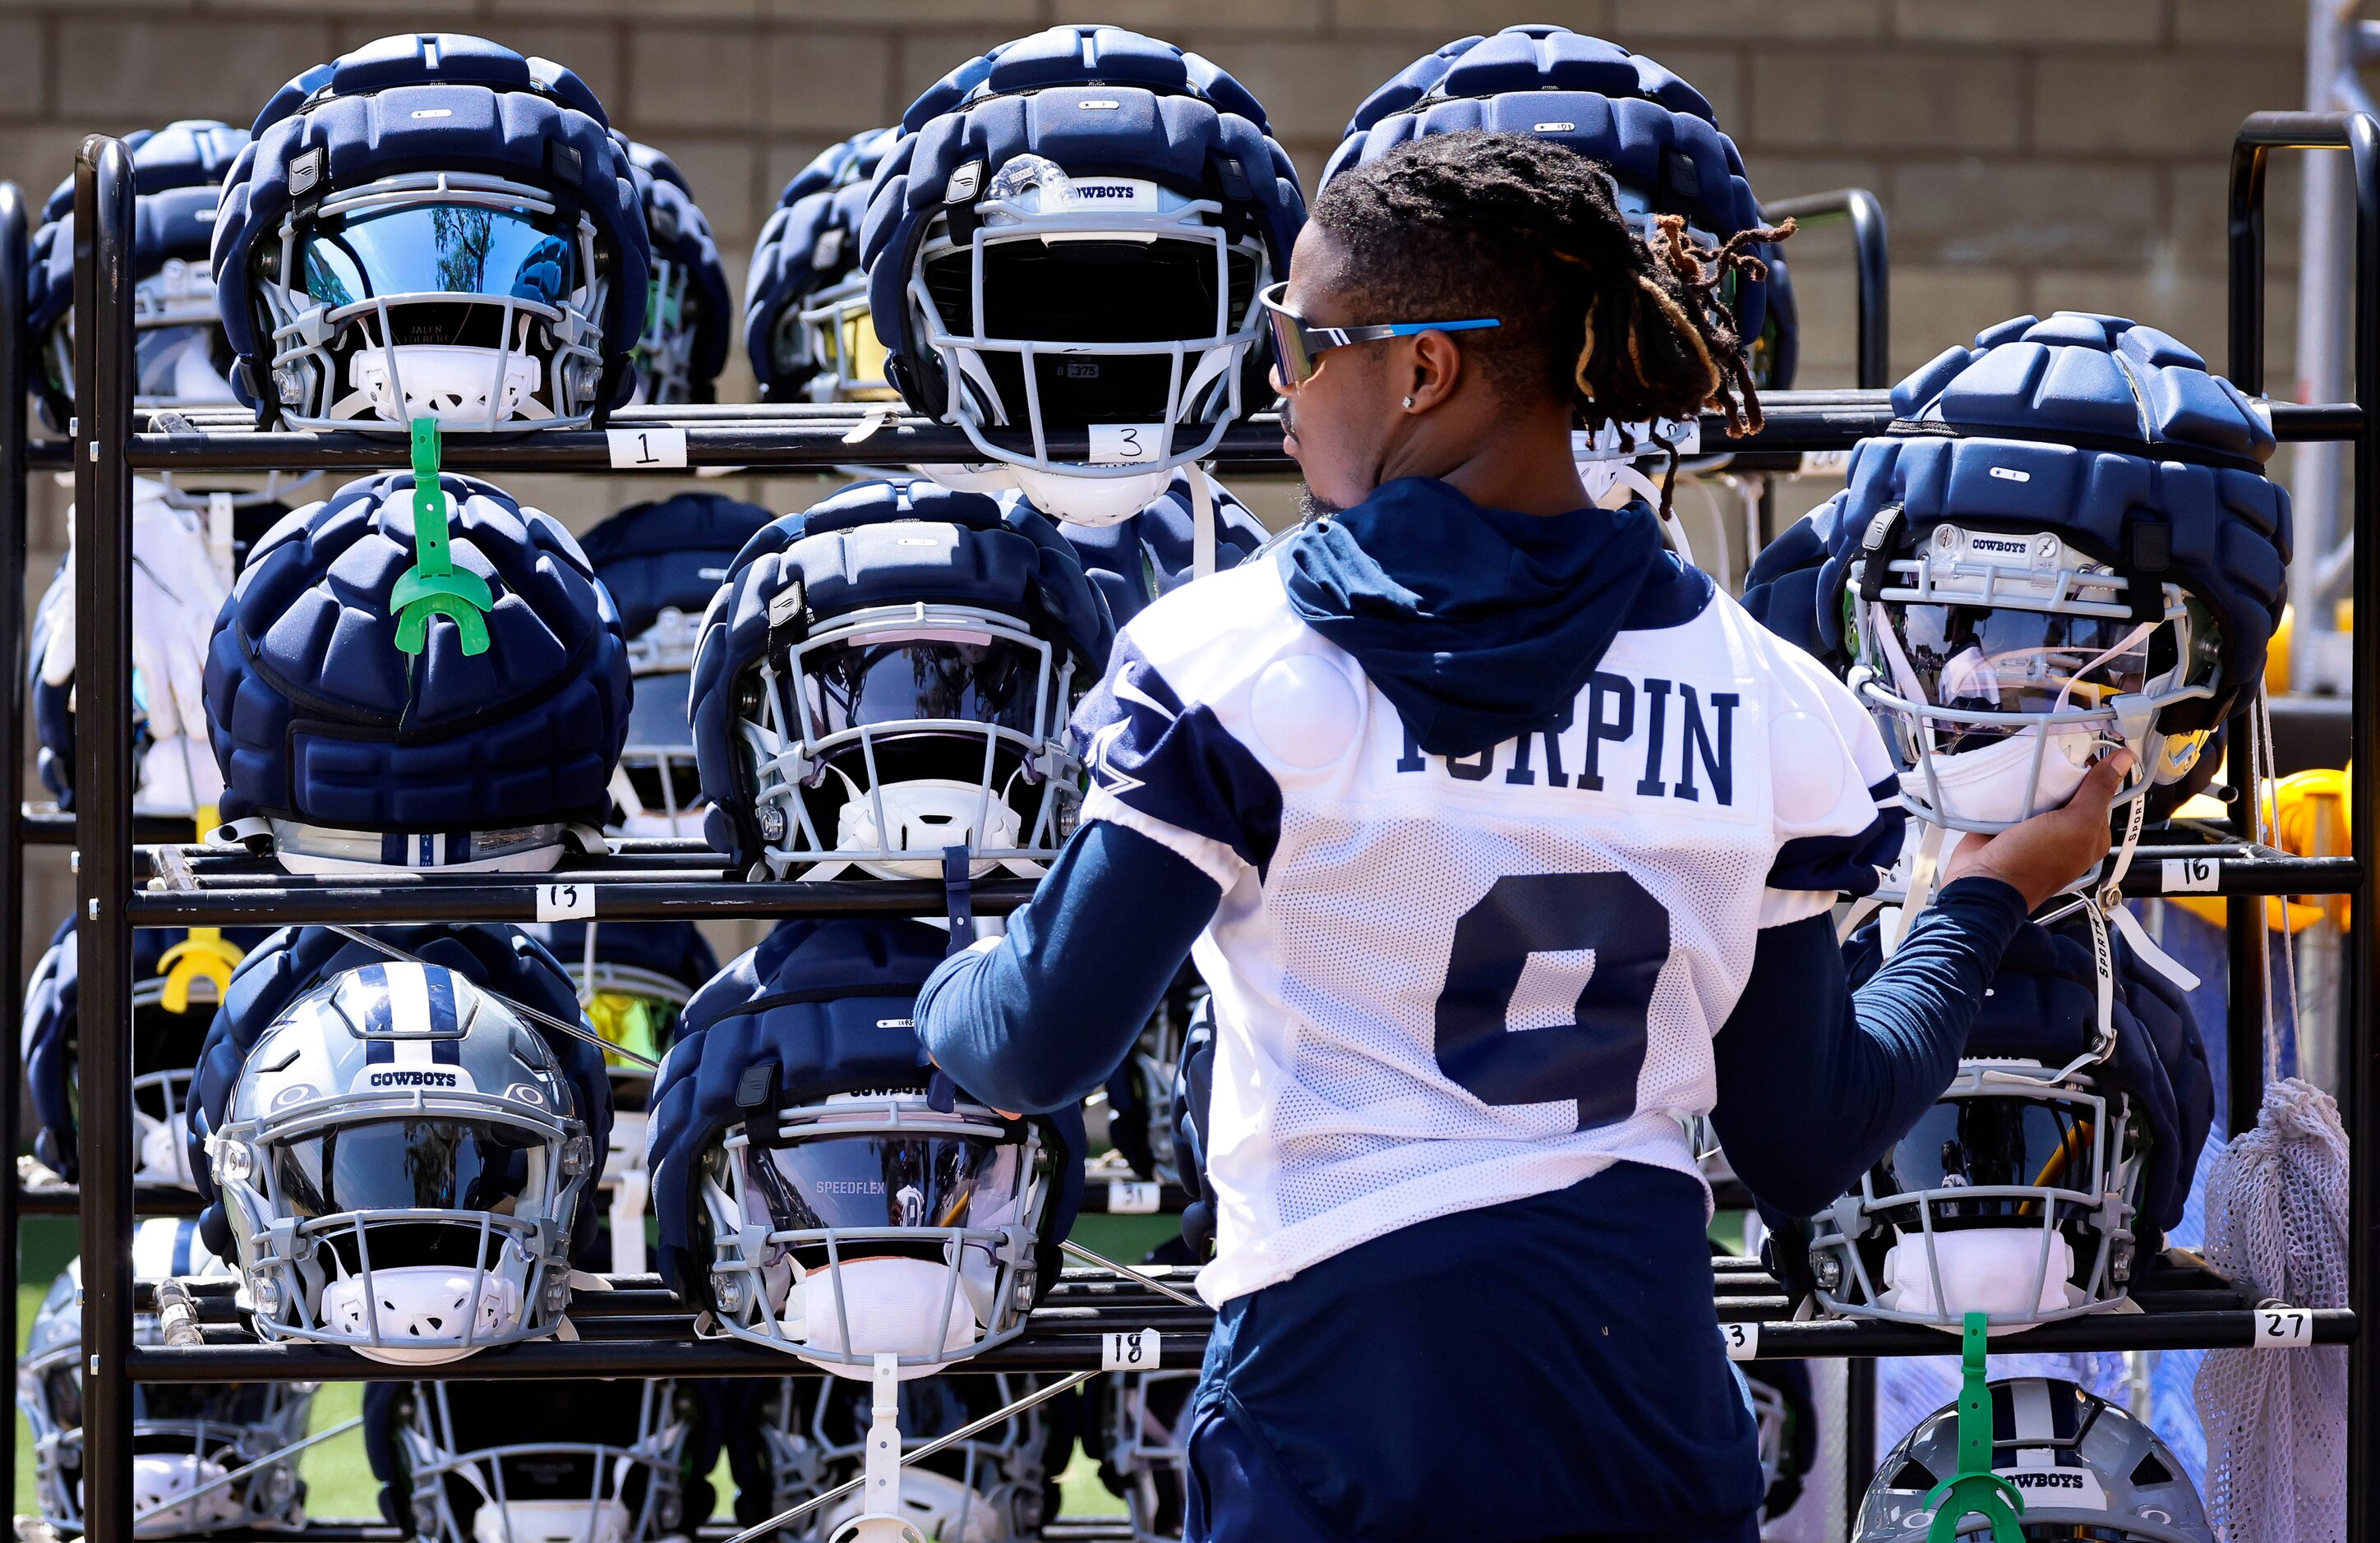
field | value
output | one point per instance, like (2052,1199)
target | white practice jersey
(1443,983)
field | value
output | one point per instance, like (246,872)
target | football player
(1504,841)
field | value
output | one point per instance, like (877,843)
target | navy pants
(1545,1369)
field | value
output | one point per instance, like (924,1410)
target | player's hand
(2042,855)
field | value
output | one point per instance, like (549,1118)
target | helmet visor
(1998,1141)
(410,1164)
(633,1021)
(429,248)
(968,678)
(2007,660)
(202,1402)
(875,1180)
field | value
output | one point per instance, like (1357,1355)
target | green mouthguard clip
(1974,1489)
(433,586)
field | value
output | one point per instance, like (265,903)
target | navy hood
(1479,624)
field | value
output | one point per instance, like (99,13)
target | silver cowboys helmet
(994,1487)
(190,1441)
(401,1164)
(578,1462)
(2085,1467)
(2013,1196)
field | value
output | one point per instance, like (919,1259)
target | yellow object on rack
(205,952)
(2307,811)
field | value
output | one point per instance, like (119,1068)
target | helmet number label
(2283,1329)
(1742,1340)
(565,902)
(2191,875)
(644,449)
(1126,1351)
(1126,444)
(1132,1197)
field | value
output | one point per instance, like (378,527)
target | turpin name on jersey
(1675,753)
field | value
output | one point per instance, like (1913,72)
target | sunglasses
(1297,345)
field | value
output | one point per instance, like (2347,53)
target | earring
(1408,404)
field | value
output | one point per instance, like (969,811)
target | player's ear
(1438,370)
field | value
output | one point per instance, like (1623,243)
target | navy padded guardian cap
(829,1005)
(177,170)
(680,233)
(1657,134)
(2108,433)
(848,553)
(431,102)
(671,551)
(810,242)
(295,960)
(316,716)
(1160,113)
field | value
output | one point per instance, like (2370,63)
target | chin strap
(880,1514)
(958,897)
(1202,522)
(1898,920)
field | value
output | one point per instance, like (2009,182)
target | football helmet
(821,1191)
(578,1461)
(804,1437)
(662,562)
(887,676)
(2061,1153)
(432,226)
(1657,136)
(188,1438)
(1144,1430)
(2086,1468)
(401,1163)
(347,754)
(2069,543)
(1787,1419)
(170,1018)
(1069,237)
(688,314)
(807,326)
(180,356)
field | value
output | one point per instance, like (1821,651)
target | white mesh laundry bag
(2276,1421)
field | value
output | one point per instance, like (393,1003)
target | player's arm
(1814,1081)
(1179,812)
(1036,1020)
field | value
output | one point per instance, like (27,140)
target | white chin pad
(925,816)
(159,1478)
(163,1158)
(1984,1270)
(550,1521)
(1998,785)
(445,381)
(985,477)
(892,1306)
(420,1311)
(1091,500)
(939,1506)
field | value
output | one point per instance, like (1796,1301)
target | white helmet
(401,1164)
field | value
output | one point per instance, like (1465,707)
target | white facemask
(551,1522)
(1984,1270)
(158,1477)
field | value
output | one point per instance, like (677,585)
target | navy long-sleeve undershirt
(1814,1081)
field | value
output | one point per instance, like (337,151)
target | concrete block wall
(2031,154)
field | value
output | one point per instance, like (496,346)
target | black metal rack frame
(637,1331)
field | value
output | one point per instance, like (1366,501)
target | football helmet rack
(133,873)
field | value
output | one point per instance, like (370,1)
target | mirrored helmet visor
(426,1163)
(225,1403)
(429,248)
(879,679)
(2000,1141)
(2005,659)
(633,1021)
(878,1180)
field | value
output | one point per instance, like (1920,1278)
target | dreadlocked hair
(1476,225)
